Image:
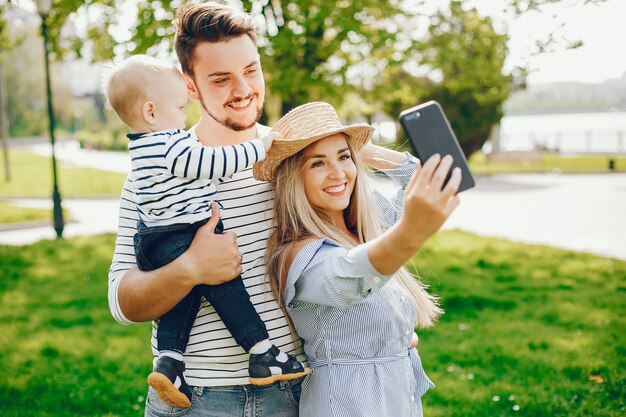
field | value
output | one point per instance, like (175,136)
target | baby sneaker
(168,381)
(274,365)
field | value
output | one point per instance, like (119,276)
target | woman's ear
(192,90)
(148,111)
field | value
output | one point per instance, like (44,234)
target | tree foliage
(466,52)
(309,46)
(4,38)
(322,50)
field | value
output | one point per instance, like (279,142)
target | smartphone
(430,133)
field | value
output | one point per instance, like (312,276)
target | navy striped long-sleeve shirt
(173,174)
(213,357)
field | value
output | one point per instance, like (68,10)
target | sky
(601,27)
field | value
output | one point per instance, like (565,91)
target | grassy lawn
(480,164)
(32,177)
(529,326)
(61,351)
(537,162)
(14,214)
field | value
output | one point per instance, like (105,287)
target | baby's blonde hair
(129,84)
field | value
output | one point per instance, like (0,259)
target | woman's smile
(336,190)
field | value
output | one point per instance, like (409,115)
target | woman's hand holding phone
(426,208)
(427,205)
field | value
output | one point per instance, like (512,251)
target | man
(217,50)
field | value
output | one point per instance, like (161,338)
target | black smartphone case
(430,133)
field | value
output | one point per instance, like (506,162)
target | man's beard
(227,122)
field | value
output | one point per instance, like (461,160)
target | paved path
(584,213)
(88,217)
(70,153)
(579,212)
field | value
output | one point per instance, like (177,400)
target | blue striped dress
(356,337)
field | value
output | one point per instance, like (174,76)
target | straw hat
(301,127)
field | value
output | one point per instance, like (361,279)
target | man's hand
(212,259)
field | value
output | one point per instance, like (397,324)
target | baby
(172,179)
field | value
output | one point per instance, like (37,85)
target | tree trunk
(4,125)
(474,143)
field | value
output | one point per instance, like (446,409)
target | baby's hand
(269,139)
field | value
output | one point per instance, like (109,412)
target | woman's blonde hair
(296,220)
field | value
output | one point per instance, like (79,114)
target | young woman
(336,261)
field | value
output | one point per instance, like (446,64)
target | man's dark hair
(208,22)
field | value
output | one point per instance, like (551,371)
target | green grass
(524,322)
(61,352)
(480,164)
(32,177)
(10,213)
(530,323)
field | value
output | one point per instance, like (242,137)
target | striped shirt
(173,174)
(356,338)
(213,357)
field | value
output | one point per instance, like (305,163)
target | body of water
(566,132)
(569,132)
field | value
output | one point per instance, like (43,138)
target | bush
(109,140)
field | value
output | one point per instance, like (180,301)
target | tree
(23,70)
(397,90)
(4,127)
(309,46)
(318,50)
(4,38)
(467,54)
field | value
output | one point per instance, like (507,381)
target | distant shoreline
(568,97)
(570,111)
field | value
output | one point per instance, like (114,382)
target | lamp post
(44,7)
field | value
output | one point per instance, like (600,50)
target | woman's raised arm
(426,208)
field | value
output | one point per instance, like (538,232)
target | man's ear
(192,90)
(148,112)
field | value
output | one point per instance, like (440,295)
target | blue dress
(356,337)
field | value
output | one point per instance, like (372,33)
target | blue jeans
(160,245)
(277,400)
